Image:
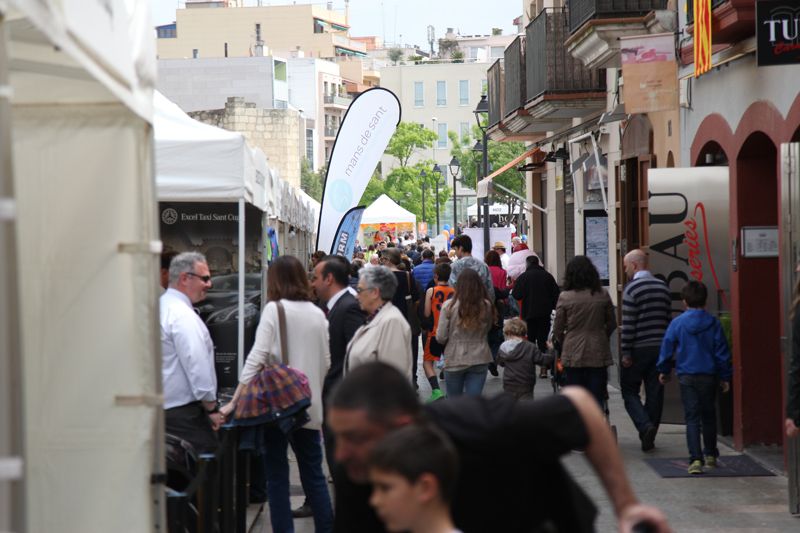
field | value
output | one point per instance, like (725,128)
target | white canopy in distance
(386,210)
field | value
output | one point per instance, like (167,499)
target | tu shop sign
(778,32)
(688,231)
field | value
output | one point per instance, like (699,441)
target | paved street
(703,505)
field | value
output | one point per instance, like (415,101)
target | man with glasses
(190,381)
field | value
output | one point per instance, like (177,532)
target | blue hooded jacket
(696,340)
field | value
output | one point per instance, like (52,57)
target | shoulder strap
(408,283)
(282,332)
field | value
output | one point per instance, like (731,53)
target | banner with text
(777,36)
(650,72)
(347,234)
(363,135)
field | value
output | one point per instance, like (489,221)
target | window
(464,131)
(442,142)
(419,99)
(195,53)
(310,147)
(497,51)
(484,87)
(473,52)
(463,92)
(441,93)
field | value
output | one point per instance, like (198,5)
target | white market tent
(386,210)
(80,357)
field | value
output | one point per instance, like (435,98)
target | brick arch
(760,116)
(714,128)
(792,124)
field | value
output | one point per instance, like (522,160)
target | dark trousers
(644,371)
(699,394)
(414,358)
(593,379)
(538,328)
(191,423)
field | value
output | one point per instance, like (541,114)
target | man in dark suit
(330,282)
(539,294)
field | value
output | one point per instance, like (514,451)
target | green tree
(408,138)
(311,182)
(395,55)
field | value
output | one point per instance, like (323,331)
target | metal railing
(338,100)
(549,66)
(495,90)
(582,10)
(690,9)
(515,86)
(331,132)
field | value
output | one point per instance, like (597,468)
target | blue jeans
(630,380)
(593,379)
(468,381)
(308,450)
(699,394)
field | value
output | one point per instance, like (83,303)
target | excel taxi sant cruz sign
(778,32)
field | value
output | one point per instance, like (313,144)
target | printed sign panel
(347,234)
(777,35)
(651,73)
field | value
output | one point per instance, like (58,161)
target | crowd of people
(355,328)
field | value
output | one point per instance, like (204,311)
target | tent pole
(240,322)
(12,505)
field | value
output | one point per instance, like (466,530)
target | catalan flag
(702,37)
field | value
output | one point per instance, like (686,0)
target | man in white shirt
(500,248)
(190,381)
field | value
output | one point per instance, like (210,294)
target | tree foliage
(311,182)
(395,55)
(499,154)
(408,138)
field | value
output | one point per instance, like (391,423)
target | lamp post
(481,109)
(422,176)
(454,166)
(437,170)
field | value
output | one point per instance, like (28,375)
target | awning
(483,185)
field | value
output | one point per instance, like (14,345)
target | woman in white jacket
(309,352)
(386,335)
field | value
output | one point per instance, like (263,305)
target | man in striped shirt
(646,306)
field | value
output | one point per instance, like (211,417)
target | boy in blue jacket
(703,362)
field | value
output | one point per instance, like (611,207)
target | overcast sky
(403,21)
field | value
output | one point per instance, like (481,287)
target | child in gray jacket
(519,357)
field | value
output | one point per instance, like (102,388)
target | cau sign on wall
(778,32)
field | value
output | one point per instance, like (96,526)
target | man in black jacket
(539,292)
(345,316)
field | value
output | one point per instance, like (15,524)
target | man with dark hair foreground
(508,451)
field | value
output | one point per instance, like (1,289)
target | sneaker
(696,467)
(304,511)
(436,394)
(649,438)
(711,461)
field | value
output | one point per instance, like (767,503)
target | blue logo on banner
(341,195)
(346,235)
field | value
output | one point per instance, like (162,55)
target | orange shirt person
(435,297)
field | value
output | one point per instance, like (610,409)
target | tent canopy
(384,209)
(202,163)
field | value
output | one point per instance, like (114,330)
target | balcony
(559,87)
(731,20)
(516,94)
(496,91)
(581,11)
(338,102)
(330,133)
(596,26)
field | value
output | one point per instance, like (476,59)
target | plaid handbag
(278,394)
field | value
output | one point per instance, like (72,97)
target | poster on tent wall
(347,234)
(213,230)
(384,231)
(365,131)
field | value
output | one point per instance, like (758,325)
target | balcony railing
(495,88)
(690,9)
(515,91)
(331,132)
(582,10)
(338,100)
(549,66)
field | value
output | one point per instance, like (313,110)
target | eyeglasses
(359,290)
(204,279)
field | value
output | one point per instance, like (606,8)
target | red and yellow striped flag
(702,37)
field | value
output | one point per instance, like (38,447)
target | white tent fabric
(384,209)
(202,163)
(82,76)
(494,209)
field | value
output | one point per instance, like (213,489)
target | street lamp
(454,166)
(478,148)
(422,176)
(437,170)
(482,109)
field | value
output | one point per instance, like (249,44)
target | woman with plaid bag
(308,351)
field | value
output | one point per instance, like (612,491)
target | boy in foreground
(519,356)
(413,473)
(703,363)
